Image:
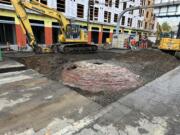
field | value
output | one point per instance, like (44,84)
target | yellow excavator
(170,42)
(71,39)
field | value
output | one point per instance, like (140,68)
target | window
(141,2)
(94,12)
(91,2)
(80,11)
(124,5)
(114,31)
(149,2)
(145,25)
(139,24)
(117,3)
(108,3)
(107,16)
(130,12)
(8,2)
(130,22)
(140,12)
(43,2)
(115,17)
(91,13)
(61,5)
(123,20)
(97,1)
(7,31)
(147,14)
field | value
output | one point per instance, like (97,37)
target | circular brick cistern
(96,76)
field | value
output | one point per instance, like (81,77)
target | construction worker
(144,42)
(133,43)
(126,44)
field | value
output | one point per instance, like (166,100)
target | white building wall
(71,10)
(52,3)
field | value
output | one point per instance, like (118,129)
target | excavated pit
(96,76)
(147,64)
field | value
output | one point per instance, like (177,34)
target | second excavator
(71,39)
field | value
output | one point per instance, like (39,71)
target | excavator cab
(73,31)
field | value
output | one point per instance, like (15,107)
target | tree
(159,31)
(166,27)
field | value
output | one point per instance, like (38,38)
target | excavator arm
(71,37)
(24,22)
(20,9)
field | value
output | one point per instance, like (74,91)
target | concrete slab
(30,101)
(10,65)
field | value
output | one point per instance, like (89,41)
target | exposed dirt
(148,64)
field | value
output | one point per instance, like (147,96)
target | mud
(148,64)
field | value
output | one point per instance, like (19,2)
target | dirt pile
(96,76)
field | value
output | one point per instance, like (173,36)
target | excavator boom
(24,22)
(71,37)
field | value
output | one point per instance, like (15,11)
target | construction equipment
(71,39)
(170,42)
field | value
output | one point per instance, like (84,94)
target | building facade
(102,18)
(149,22)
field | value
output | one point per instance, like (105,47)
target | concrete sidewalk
(8,65)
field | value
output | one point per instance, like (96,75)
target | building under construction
(103,16)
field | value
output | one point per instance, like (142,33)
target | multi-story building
(149,22)
(103,16)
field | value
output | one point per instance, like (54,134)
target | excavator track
(78,48)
